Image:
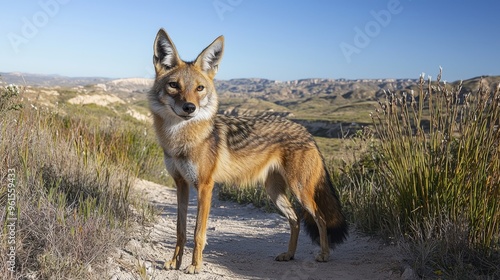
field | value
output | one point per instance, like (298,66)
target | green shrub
(9,98)
(432,175)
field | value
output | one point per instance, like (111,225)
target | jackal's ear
(165,54)
(209,58)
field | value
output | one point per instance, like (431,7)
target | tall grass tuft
(432,175)
(254,194)
(72,183)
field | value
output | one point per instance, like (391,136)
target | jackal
(201,147)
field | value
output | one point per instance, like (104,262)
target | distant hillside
(278,90)
(328,107)
(269,90)
(255,88)
(48,80)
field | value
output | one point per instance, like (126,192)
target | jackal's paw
(284,257)
(193,269)
(322,257)
(171,265)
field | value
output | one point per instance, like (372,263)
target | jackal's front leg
(182,205)
(204,202)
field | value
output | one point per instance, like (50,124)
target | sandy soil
(242,244)
(99,99)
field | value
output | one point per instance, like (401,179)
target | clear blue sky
(281,40)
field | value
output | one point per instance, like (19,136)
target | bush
(432,176)
(72,182)
(8,97)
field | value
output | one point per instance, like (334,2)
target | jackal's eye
(200,88)
(173,85)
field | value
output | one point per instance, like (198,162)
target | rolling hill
(328,107)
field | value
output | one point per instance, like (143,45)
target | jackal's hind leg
(276,189)
(319,219)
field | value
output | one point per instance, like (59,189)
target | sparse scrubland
(430,178)
(72,178)
(424,174)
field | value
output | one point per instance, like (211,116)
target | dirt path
(242,244)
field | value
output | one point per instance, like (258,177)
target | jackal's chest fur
(181,139)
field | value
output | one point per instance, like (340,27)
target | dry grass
(72,184)
(431,175)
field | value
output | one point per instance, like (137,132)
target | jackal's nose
(189,107)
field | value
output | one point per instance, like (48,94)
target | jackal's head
(184,90)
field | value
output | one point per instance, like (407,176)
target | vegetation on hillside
(65,190)
(424,173)
(431,175)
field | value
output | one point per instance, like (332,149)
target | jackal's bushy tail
(328,203)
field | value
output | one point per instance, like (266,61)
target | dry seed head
(413,101)
(497,92)
(422,75)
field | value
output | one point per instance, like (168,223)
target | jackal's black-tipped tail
(328,203)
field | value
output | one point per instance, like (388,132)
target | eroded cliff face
(330,129)
(319,128)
